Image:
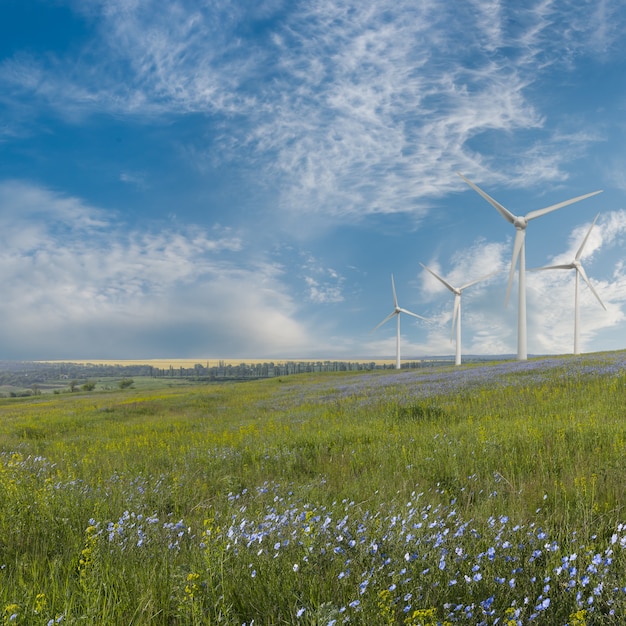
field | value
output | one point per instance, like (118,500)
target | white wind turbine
(396,311)
(456,315)
(580,271)
(519,252)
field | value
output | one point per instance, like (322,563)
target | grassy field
(485,494)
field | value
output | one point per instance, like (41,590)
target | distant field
(485,494)
(189,363)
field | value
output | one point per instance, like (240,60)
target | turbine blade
(395,297)
(567,266)
(384,321)
(517,247)
(533,214)
(582,245)
(419,317)
(506,214)
(441,280)
(581,269)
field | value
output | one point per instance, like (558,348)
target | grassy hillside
(481,494)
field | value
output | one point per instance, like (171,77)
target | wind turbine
(580,271)
(396,311)
(519,252)
(456,315)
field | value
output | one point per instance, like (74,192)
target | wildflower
(511,615)
(192,586)
(40,603)
(11,612)
(300,612)
(579,618)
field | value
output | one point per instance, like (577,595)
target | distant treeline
(270,370)
(28,373)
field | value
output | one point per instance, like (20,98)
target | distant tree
(73,385)
(126,383)
(89,386)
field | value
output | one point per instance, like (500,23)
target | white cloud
(551,293)
(137,179)
(490,328)
(322,293)
(78,283)
(469,264)
(323,284)
(485,329)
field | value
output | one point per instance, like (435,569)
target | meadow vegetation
(485,494)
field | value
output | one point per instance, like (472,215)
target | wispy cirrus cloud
(348,108)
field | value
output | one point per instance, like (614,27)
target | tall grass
(481,494)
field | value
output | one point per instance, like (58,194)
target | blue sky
(232,179)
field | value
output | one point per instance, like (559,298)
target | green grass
(354,497)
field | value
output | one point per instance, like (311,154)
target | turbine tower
(456,314)
(580,271)
(396,311)
(519,253)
